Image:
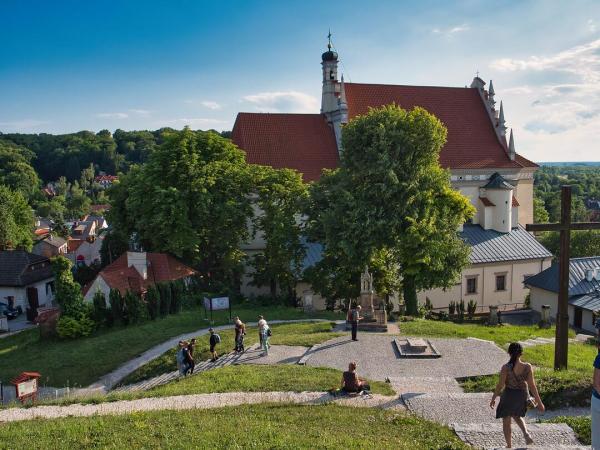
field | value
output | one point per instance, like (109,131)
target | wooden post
(561,346)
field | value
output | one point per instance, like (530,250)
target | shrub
(165,298)
(428,304)
(443,315)
(99,312)
(116,306)
(69,327)
(177,291)
(135,309)
(153,302)
(471,308)
(452,308)
(460,306)
(527,303)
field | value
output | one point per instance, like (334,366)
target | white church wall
(540,297)
(524,195)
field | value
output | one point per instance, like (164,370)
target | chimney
(139,262)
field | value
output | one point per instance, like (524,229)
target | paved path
(108,381)
(198,401)
(377,359)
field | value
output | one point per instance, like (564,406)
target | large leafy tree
(191,199)
(16,171)
(279,198)
(583,243)
(68,291)
(390,197)
(16,220)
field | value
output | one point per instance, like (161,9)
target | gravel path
(108,381)
(198,401)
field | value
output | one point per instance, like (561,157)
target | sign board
(217,303)
(27,388)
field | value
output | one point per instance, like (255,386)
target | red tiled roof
(304,142)
(472,142)
(162,267)
(514,201)
(486,201)
(100,207)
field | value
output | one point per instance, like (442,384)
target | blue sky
(68,65)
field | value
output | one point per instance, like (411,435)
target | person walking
(596,401)
(180,358)
(351,382)
(191,364)
(264,339)
(354,317)
(261,324)
(240,332)
(213,341)
(516,382)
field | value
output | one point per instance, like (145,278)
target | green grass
(582,426)
(501,334)
(306,334)
(83,361)
(571,387)
(242,378)
(252,426)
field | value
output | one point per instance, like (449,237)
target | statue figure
(366,281)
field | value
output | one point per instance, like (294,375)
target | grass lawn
(242,378)
(501,334)
(306,334)
(582,426)
(253,426)
(558,388)
(83,361)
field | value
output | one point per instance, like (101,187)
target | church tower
(329,61)
(333,99)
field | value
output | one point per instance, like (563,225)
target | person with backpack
(180,358)
(189,356)
(265,334)
(213,341)
(240,332)
(261,324)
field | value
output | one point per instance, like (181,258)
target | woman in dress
(516,381)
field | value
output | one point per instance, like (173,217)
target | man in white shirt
(261,325)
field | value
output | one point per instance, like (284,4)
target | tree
(16,220)
(540,215)
(68,292)
(78,203)
(113,245)
(134,308)
(390,196)
(116,306)
(153,302)
(191,199)
(164,290)
(16,171)
(281,195)
(100,312)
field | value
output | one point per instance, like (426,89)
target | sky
(69,65)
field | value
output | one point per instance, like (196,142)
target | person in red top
(351,382)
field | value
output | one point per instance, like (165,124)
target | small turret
(501,122)
(491,94)
(511,146)
(329,61)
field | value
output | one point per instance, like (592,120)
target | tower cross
(329,40)
(561,347)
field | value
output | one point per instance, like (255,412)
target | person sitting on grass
(213,341)
(351,382)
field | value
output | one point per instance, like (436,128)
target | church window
(472,285)
(501,282)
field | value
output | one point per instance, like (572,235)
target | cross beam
(561,347)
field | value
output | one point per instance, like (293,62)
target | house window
(501,282)
(472,285)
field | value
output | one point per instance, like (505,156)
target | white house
(584,292)
(26,280)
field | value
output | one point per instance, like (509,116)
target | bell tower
(329,61)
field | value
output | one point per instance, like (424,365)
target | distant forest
(55,156)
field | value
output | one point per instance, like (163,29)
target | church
(479,153)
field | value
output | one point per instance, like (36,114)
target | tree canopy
(391,202)
(16,220)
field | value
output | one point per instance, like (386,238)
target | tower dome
(329,55)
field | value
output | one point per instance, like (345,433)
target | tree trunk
(410,295)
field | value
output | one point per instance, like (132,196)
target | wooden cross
(561,346)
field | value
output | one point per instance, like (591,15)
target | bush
(135,309)
(527,303)
(69,327)
(428,304)
(177,291)
(471,308)
(153,302)
(460,306)
(116,306)
(99,312)
(443,315)
(452,308)
(164,290)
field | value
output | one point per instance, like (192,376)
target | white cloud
(141,112)
(22,125)
(286,101)
(112,115)
(517,90)
(451,30)
(592,26)
(210,104)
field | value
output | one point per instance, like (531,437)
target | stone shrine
(373,310)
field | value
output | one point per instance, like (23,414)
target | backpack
(217,338)
(269,332)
